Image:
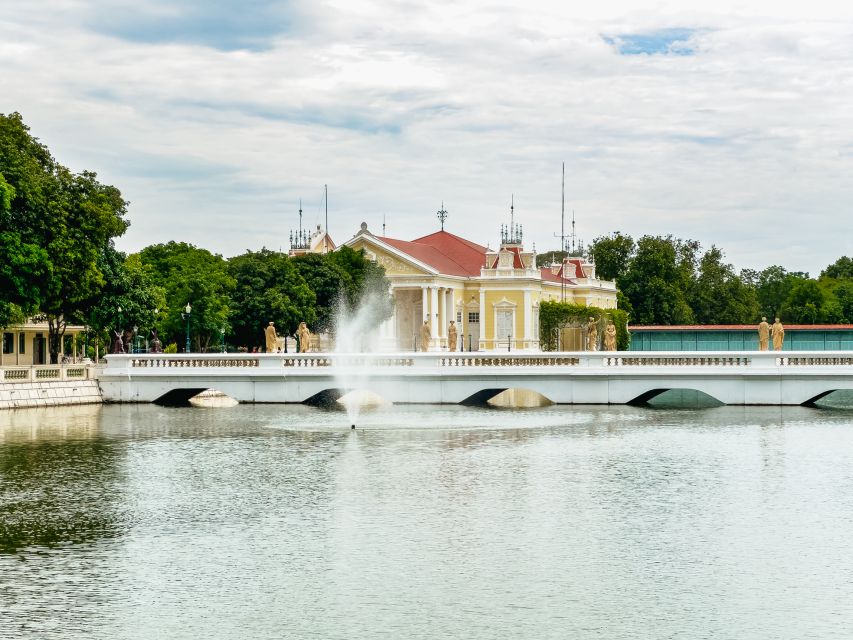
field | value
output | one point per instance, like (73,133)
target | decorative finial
(442,215)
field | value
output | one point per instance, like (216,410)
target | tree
(269,288)
(718,295)
(773,288)
(128,286)
(191,275)
(805,303)
(612,255)
(55,223)
(368,281)
(840,269)
(328,281)
(658,278)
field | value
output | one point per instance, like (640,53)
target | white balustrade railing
(45,373)
(493,359)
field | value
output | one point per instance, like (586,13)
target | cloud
(397,106)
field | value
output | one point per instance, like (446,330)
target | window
(22,343)
(473,317)
(8,343)
(458,317)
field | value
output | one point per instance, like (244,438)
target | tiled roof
(445,252)
(517,262)
(549,276)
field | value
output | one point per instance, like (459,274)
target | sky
(730,123)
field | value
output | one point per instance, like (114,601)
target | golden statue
(777,332)
(425,336)
(763,334)
(592,335)
(304,336)
(272,338)
(610,337)
(452,336)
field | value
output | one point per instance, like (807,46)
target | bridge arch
(205,396)
(830,398)
(508,397)
(680,397)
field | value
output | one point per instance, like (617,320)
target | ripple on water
(427,521)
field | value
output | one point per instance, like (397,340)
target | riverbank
(48,386)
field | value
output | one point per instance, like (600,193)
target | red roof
(445,252)
(736,327)
(550,276)
(517,262)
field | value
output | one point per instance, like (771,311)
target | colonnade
(438,308)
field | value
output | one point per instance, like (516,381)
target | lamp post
(135,339)
(222,332)
(186,316)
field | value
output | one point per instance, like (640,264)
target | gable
(395,263)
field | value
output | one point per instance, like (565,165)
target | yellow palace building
(493,295)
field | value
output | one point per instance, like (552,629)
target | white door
(473,337)
(504,327)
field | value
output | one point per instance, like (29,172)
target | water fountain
(356,338)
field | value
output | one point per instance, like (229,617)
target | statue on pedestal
(452,336)
(425,335)
(592,335)
(118,344)
(304,336)
(610,337)
(777,332)
(155,345)
(763,334)
(271,337)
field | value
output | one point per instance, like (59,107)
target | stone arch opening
(831,399)
(325,399)
(507,398)
(179,397)
(676,398)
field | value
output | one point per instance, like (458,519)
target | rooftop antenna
(383,225)
(326,230)
(300,216)
(442,215)
(562,235)
(511,210)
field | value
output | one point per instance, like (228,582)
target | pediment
(396,263)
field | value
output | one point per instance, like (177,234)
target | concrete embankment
(47,386)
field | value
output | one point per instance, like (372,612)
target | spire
(511,234)
(442,215)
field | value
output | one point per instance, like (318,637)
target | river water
(269,521)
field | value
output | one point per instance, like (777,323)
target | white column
(483,317)
(528,319)
(425,304)
(442,312)
(433,312)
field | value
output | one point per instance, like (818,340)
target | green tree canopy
(269,288)
(718,295)
(612,255)
(658,278)
(188,274)
(55,224)
(328,280)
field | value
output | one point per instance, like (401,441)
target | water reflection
(268,521)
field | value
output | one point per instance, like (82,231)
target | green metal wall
(737,340)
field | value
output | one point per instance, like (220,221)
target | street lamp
(186,316)
(222,331)
(135,339)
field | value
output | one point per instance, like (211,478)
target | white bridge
(741,378)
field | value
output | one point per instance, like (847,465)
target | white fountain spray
(356,338)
